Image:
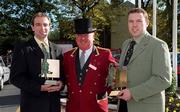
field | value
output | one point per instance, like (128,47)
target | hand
(52,88)
(125,94)
(56,87)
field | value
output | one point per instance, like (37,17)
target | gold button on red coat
(90,92)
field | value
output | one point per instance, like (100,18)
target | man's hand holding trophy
(117,79)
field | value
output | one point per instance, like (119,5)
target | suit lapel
(94,51)
(36,49)
(140,48)
(124,51)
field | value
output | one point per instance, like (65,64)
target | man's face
(41,27)
(137,24)
(85,41)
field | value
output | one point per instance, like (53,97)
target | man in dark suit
(86,70)
(36,96)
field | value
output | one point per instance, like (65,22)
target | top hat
(83,26)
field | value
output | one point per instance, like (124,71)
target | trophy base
(114,93)
(51,82)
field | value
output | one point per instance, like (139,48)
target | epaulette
(73,50)
(106,49)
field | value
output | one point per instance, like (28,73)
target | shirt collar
(45,42)
(88,51)
(140,37)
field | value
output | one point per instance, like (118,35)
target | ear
(76,38)
(32,27)
(147,22)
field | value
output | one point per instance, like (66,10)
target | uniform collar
(94,50)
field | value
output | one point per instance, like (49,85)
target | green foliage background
(15,19)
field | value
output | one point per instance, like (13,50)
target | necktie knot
(132,43)
(45,52)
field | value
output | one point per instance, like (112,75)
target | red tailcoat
(83,97)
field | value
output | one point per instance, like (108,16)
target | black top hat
(83,26)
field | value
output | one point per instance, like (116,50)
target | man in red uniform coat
(87,89)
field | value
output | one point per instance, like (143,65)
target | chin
(135,35)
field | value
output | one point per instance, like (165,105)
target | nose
(43,28)
(134,24)
(83,38)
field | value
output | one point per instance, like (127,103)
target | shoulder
(22,45)
(54,46)
(71,52)
(101,49)
(157,41)
(22,48)
(158,44)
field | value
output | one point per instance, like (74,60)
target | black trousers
(122,106)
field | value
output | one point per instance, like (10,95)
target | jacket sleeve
(19,75)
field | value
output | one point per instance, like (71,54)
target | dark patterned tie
(129,53)
(123,103)
(82,59)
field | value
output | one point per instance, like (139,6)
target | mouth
(134,30)
(43,33)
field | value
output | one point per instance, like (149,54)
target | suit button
(80,91)
(79,84)
(95,83)
(72,92)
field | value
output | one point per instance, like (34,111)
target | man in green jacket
(148,69)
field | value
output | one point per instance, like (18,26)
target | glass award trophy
(120,80)
(50,70)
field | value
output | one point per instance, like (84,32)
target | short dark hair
(139,10)
(40,14)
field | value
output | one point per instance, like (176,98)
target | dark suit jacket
(25,70)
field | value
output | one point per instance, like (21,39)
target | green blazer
(148,74)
